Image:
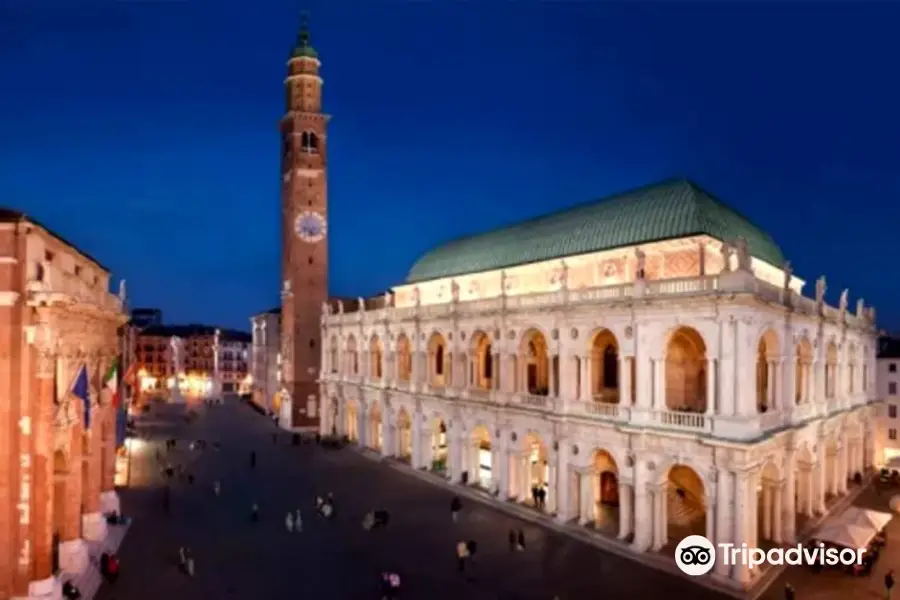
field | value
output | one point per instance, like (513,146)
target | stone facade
(304,241)
(702,395)
(265,359)
(56,314)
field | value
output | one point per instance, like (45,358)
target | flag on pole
(111,381)
(81,389)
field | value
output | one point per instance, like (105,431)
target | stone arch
(334,354)
(375,414)
(685,502)
(604,357)
(803,359)
(769,517)
(351,419)
(440,442)
(480,457)
(404,358)
(686,367)
(438,361)
(352,356)
(376,358)
(481,367)
(534,374)
(831,366)
(404,434)
(605,470)
(535,449)
(767,356)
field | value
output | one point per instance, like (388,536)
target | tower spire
(303,48)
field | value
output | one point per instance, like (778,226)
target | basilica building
(58,344)
(647,366)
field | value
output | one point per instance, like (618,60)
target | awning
(848,536)
(864,517)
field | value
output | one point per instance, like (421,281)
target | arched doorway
(605,511)
(536,364)
(605,367)
(481,458)
(376,427)
(831,363)
(439,445)
(404,435)
(767,353)
(537,470)
(351,420)
(438,361)
(404,359)
(686,366)
(685,503)
(803,358)
(481,370)
(769,503)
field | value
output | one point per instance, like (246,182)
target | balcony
(59,287)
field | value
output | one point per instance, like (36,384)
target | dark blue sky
(146,132)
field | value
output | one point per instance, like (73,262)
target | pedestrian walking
(455,507)
(888,583)
(520,541)
(298,522)
(190,565)
(789,593)
(289,522)
(182,557)
(462,553)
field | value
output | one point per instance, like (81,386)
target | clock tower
(304,236)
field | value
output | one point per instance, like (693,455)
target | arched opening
(351,420)
(803,357)
(686,366)
(605,367)
(482,465)
(537,469)
(404,358)
(536,363)
(769,502)
(766,371)
(831,362)
(334,354)
(352,356)
(438,362)
(481,368)
(376,427)
(60,476)
(309,142)
(404,435)
(439,447)
(605,513)
(376,354)
(685,503)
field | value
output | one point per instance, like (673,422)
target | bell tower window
(309,142)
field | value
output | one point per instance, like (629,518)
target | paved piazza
(238,559)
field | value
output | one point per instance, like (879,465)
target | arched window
(309,142)
(487,367)
(439,361)
(610,367)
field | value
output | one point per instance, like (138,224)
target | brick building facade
(56,315)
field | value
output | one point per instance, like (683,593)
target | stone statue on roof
(361,303)
(641,269)
(743,254)
(860,308)
(340,307)
(123,295)
(844,300)
(726,251)
(454,291)
(788,270)
(417,296)
(821,288)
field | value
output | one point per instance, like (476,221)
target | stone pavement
(336,560)
(838,585)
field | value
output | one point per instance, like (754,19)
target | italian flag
(111,381)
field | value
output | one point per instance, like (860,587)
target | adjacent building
(650,361)
(888,381)
(58,336)
(265,360)
(157,370)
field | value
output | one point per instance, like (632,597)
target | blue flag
(81,389)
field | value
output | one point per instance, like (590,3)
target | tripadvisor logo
(696,555)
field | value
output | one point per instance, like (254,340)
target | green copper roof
(303,48)
(667,210)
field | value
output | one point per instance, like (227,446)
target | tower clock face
(310,226)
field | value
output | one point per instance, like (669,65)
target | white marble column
(500,470)
(456,448)
(551,486)
(819,496)
(777,533)
(660,516)
(417,460)
(585,514)
(643,516)
(625,381)
(725,487)
(388,437)
(362,431)
(626,510)
(743,518)
(644,381)
(524,479)
(562,483)
(586,384)
(659,384)
(789,501)
(710,387)
(767,502)
(843,468)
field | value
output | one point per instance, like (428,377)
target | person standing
(789,593)
(298,522)
(455,507)
(888,583)
(289,522)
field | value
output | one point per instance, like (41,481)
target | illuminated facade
(888,379)
(56,318)
(157,369)
(265,359)
(651,379)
